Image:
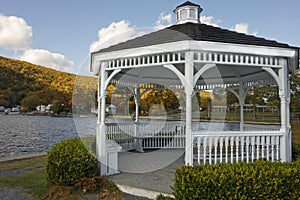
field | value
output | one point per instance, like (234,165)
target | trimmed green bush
(68,162)
(162,197)
(257,180)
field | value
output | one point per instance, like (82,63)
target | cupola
(188,12)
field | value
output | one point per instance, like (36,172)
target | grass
(32,178)
(29,175)
(271,117)
(295,132)
(33,182)
(33,163)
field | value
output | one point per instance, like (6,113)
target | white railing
(119,131)
(170,136)
(234,146)
(258,127)
(255,142)
(123,134)
(153,134)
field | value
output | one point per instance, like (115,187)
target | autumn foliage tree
(19,78)
(30,102)
(56,107)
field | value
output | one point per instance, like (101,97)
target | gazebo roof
(196,32)
(187,3)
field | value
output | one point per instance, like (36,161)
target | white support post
(126,104)
(289,127)
(285,142)
(242,103)
(189,76)
(139,140)
(101,131)
(137,102)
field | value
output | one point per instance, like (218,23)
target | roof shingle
(197,32)
(188,3)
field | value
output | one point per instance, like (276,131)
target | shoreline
(21,157)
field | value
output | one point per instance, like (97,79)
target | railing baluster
(252,148)
(268,147)
(198,148)
(247,148)
(262,147)
(216,149)
(257,147)
(277,147)
(272,147)
(204,149)
(221,149)
(242,148)
(209,149)
(231,149)
(237,148)
(226,149)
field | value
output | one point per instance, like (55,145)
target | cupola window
(188,12)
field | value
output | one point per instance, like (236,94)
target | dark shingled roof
(197,32)
(187,3)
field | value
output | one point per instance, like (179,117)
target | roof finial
(187,12)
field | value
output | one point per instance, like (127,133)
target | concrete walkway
(150,171)
(142,174)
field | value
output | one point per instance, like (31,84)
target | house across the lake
(44,108)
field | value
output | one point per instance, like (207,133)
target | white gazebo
(191,56)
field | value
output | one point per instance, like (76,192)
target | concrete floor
(152,170)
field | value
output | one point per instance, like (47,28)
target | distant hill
(20,78)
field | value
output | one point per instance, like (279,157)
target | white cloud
(14,33)
(241,28)
(48,59)
(115,33)
(163,21)
(210,20)
(122,31)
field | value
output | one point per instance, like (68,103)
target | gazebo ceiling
(221,74)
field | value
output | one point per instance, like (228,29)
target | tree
(231,99)
(56,107)
(267,94)
(295,92)
(219,95)
(205,97)
(30,102)
(165,98)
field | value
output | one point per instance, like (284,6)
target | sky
(60,34)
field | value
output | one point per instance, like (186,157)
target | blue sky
(59,33)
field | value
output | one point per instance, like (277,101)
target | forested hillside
(29,85)
(20,80)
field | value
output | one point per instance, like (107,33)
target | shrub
(295,152)
(68,162)
(162,197)
(257,180)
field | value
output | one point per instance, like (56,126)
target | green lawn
(296,132)
(26,174)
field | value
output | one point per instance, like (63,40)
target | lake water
(22,134)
